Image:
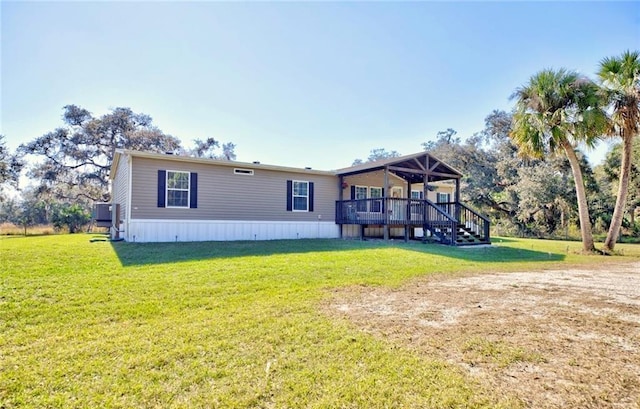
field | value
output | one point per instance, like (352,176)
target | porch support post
(407,223)
(340,198)
(385,228)
(425,186)
(425,176)
(425,190)
(457,205)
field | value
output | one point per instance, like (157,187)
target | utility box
(102,214)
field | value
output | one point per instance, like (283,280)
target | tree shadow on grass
(135,254)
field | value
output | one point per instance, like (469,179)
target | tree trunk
(621,199)
(583,208)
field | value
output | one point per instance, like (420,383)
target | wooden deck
(450,223)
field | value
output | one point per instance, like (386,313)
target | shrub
(73,217)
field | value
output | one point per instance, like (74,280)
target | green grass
(200,325)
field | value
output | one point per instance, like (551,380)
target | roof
(208,161)
(412,167)
(409,167)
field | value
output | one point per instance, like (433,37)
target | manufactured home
(165,197)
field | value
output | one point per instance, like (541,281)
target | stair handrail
(486,223)
(486,219)
(439,210)
(453,222)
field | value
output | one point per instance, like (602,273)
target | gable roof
(409,167)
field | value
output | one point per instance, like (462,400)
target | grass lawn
(236,324)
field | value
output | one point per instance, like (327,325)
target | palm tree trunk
(621,199)
(583,209)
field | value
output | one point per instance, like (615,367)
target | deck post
(340,198)
(409,200)
(425,196)
(457,205)
(385,228)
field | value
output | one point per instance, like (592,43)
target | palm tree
(620,78)
(555,111)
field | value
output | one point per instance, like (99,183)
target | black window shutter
(193,191)
(289,195)
(353,192)
(310,196)
(162,187)
(382,207)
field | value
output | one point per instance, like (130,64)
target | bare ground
(548,339)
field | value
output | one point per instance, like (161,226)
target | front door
(397,206)
(396,191)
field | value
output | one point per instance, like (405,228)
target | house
(164,197)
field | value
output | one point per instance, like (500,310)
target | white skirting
(142,230)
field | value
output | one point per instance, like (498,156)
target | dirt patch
(550,339)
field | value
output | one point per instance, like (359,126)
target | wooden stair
(467,236)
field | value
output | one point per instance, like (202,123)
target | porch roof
(411,168)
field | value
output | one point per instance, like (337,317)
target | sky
(298,84)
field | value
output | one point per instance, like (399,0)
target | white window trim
(166,193)
(443,193)
(420,193)
(293,196)
(378,198)
(359,206)
(375,187)
(366,195)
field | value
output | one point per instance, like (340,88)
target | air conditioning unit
(102,214)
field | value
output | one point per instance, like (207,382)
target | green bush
(73,217)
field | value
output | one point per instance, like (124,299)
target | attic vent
(239,171)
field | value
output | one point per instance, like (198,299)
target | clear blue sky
(299,84)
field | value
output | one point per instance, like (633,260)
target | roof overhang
(412,168)
(207,161)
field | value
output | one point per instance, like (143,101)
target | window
(417,207)
(300,196)
(361,193)
(376,193)
(177,189)
(443,200)
(238,171)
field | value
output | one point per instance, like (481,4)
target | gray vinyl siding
(223,195)
(120,185)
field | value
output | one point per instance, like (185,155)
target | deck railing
(473,222)
(444,220)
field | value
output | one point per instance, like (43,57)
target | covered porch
(417,195)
